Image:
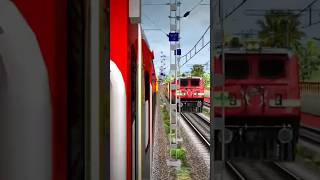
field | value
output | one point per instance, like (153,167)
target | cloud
(196,23)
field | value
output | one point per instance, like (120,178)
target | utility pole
(217,125)
(175,52)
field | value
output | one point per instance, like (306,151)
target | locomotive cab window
(272,67)
(195,82)
(184,82)
(236,67)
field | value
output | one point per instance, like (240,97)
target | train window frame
(236,58)
(275,58)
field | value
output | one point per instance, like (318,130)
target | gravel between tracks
(160,170)
(199,166)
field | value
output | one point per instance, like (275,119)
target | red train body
(58,97)
(190,92)
(262,102)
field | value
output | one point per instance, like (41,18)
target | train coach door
(76,91)
(88,90)
(134,105)
(138,113)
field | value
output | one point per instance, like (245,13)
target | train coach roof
(144,37)
(242,50)
(192,77)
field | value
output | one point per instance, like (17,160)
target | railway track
(307,133)
(201,127)
(259,170)
(239,170)
(310,134)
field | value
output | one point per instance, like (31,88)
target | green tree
(309,57)
(280,29)
(206,79)
(197,70)
(168,79)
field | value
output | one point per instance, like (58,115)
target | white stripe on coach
(118,119)
(25,107)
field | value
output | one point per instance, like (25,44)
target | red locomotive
(262,103)
(190,92)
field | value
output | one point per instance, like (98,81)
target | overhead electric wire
(307,7)
(296,12)
(204,44)
(196,5)
(155,24)
(194,48)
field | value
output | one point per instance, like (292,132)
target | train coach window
(236,67)
(195,82)
(272,68)
(184,82)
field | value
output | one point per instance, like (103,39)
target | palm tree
(280,29)
(309,57)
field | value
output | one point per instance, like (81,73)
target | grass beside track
(177,153)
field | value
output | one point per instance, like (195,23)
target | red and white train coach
(262,103)
(76,90)
(132,73)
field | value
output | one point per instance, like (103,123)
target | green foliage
(235,42)
(197,70)
(309,156)
(206,78)
(168,79)
(309,57)
(173,134)
(183,174)
(167,128)
(178,153)
(166,119)
(280,29)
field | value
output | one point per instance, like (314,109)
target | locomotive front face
(191,88)
(191,94)
(260,85)
(262,104)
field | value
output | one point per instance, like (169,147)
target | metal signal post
(217,125)
(175,52)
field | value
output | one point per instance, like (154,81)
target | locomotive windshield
(272,67)
(195,82)
(236,67)
(183,82)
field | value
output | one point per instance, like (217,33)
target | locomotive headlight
(179,93)
(278,100)
(232,100)
(200,94)
(252,45)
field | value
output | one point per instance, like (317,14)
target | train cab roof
(190,77)
(263,50)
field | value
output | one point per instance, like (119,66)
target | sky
(193,27)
